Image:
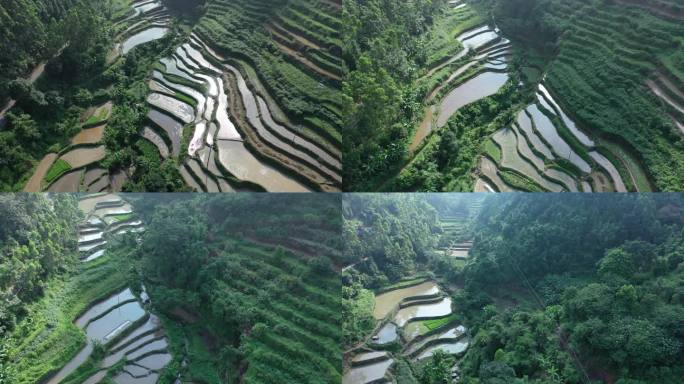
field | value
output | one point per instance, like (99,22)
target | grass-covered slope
(47,338)
(255,295)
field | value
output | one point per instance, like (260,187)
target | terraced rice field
(284,101)
(456,239)
(189,91)
(600,50)
(465,76)
(418,320)
(107,215)
(76,168)
(545,150)
(310,349)
(120,323)
(581,132)
(91,324)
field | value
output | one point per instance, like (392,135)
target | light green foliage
(46,338)
(357,312)
(438,369)
(59,168)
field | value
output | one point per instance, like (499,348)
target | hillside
(285,60)
(556,288)
(149,289)
(254,297)
(175,96)
(525,95)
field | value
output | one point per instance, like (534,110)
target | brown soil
(89,135)
(34,183)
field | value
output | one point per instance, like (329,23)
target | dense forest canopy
(393,232)
(557,288)
(385,43)
(600,281)
(37,241)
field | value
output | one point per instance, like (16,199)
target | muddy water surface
(367,373)
(441,308)
(385,302)
(482,85)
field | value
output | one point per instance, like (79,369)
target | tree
(25,128)
(438,369)
(496,372)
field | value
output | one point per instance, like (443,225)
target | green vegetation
(124,217)
(45,286)
(357,312)
(122,135)
(565,288)
(384,43)
(602,44)
(390,251)
(596,57)
(243,295)
(431,325)
(59,168)
(289,53)
(36,243)
(71,37)
(97,118)
(253,289)
(404,283)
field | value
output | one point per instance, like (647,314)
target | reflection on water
(142,37)
(441,308)
(385,302)
(386,334)
(482,85)
(367,373)
(452,348)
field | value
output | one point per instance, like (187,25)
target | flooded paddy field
(401,334)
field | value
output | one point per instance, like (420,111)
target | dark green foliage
(392,231)
(588,276)
(192,8)
(260,286)
(383,48)
(72,38)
